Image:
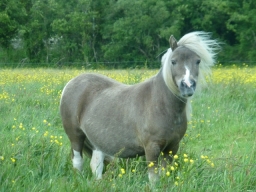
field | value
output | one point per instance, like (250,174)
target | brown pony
(104,117)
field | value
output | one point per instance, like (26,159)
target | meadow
(218,152)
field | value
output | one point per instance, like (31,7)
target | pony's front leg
(152,152)
(97,163)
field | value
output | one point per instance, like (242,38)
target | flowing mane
(200,43)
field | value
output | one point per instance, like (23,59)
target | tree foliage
(60,31)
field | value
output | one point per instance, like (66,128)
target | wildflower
(202,157)
(13,160)
(191,161)
(120,175)
(186,160)
(133,170)
(162,154)
(167,173)
(13,126)
(170,152)
(176,183)
(46,133)
(212,164)
(33,128)
(185,155)
(122,171)
(44,121)
(2,158)
(175,156)
(172,168)
(177,178)
(151,164)
(176,164)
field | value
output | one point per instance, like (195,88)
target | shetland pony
(103,117)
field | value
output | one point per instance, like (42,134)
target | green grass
(35,152)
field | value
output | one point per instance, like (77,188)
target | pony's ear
(173,43)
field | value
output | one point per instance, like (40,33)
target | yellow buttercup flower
(151,164)
(13,160)
(122,171)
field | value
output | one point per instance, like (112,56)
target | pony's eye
(173,62)
(198,61)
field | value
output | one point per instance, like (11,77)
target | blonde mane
(206,48)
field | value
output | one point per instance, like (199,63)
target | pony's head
(187,62)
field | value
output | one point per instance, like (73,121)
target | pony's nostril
(193,83)
(183,84)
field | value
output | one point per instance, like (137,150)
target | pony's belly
(119,149)
(114,144)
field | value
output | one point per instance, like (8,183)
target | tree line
(113,31)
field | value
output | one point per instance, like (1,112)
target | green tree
(78,28)
(133,29)
(38,31)
(12,16)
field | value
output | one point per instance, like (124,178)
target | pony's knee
(97,163)
(77,160)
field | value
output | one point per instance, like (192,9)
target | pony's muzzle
(187,88)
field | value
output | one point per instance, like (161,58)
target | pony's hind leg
(97,163)
(77,160)
(77,143)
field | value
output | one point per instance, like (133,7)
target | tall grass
(216,154)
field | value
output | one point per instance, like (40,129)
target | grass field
(218,152)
